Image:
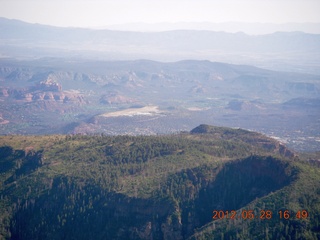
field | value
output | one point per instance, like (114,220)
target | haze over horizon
(146,119)
(142,15)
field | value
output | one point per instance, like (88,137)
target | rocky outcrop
(43,91)
(4,92)
(115,98)
(198,89)
(2,120)
(253,138)
(48,85)
(172,228)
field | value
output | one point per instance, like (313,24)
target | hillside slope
(61,96)
(155,187)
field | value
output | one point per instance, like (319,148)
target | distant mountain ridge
(253,28)
(232,27)
(25,40)
(192,39)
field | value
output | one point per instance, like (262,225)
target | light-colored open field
(148,110)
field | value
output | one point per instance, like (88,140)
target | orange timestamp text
(262,215)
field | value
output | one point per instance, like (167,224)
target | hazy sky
(108,12)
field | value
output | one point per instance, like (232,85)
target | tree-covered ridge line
(136,157)
(150,187)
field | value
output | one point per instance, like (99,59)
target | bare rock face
(48,90)
(2,120)
(284,151)
(172,228)
(4,92)
(198,89)
(48,85)
(144,232)
(115,98)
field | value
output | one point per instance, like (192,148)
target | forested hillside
(157,187)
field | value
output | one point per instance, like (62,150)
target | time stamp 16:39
(262,215)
